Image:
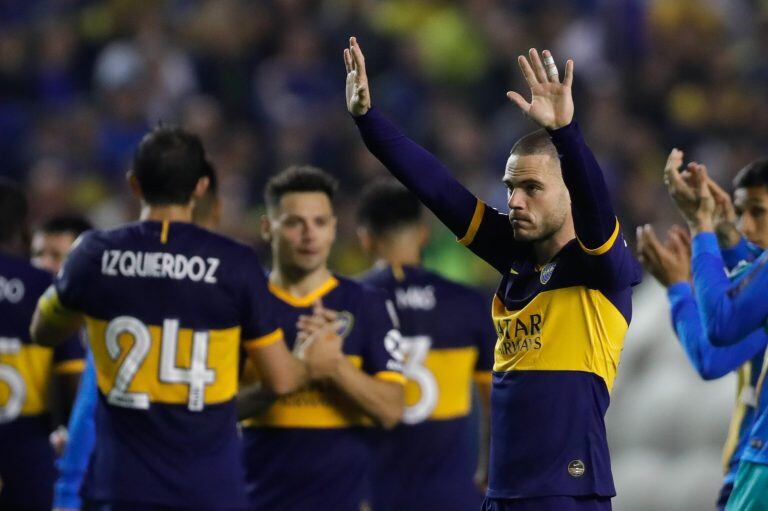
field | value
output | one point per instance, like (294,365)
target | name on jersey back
(159,265)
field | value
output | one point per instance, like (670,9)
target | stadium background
(262,83)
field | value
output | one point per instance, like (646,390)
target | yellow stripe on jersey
(304,301)
(314,406)
(743,391)
(25,376)
(70,366)
(164,232)
(570,329)
(264,340)
(474,224)
(392,376)
(605,247)
(221,358)
(53,311)
(452,370)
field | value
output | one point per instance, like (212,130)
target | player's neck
(403,249)
(545,249)
(167,213)
(299,284)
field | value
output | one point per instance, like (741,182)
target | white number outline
(197,376)
(416,349)
(12,377)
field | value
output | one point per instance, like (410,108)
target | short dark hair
(754,174)
(299,178)
(537,142)
(386,205)
(168,164)
(66,224)
(14,210)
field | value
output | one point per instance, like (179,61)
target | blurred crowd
(262,81)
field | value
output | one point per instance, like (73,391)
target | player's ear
(201,187)
(133,183)
(423,234)
(265,229)
(365,238)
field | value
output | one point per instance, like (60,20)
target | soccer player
(670,264)
(28,373)
(731,312)
(563,306)
(74,461)
(427,461)
(52,241)
(168,306)
(312,449)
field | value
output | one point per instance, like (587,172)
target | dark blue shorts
(725,493)
(549,504)
(134,506)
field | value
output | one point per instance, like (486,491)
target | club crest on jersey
(546,272)
(345,321)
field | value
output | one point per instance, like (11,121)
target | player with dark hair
(670,264)
(312,449)
(28,372)
(427,461)
(563,306)
(52,241)
(733,311)
(168,306)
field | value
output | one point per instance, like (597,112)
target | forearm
(419,171)
(380,399)
(593,214)
(721,302)
(709,361)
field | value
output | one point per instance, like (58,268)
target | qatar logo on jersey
(546,272)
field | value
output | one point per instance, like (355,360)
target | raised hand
(668,262)
(551,103)
(690,191)
(725,216)
(357,91)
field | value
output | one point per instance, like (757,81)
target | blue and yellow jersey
(167,307)
(312,449)
(429,460)
(25,378)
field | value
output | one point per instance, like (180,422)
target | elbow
(391,418)
(710,373)
(282,386)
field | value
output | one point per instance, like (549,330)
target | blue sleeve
(709,361)
(730,311)
(484,230)
(73,464)
(742,251)
(73,281)
(597,228)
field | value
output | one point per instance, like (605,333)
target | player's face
(538,199)
(49,250)
(303,229)
(752,210)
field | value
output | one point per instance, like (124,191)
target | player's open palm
(551,104)
(357,91)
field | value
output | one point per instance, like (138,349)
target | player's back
(166,306)
(26,462)
(448,340)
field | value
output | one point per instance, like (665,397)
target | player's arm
(53,323)
(484,230)
(730,311)
(281,372)
(551,106)
(381,393)
(669,263)
(73,463)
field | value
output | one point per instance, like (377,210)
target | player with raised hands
(563,306)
